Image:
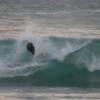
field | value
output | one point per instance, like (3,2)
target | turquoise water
(57,62)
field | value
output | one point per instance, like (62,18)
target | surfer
(30,47)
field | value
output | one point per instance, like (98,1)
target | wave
(57,62)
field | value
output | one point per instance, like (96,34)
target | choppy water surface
(45,93)
(71,18)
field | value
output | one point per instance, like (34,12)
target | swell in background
(70,18)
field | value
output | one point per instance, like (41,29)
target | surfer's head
(30,47)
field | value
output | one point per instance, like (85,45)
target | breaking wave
(57,62)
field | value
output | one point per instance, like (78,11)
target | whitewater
(66,37)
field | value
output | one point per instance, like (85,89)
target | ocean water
(47,93)
(57,62)
(62,69)
(66,36)
(70,18)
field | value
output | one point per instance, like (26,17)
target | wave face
(57,62)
